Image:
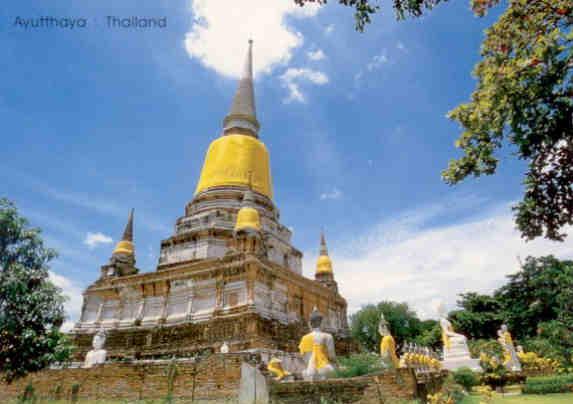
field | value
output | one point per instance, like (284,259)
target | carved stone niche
(131,305)
(234,294)
(91,308)
(179,300)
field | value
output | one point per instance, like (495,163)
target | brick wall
(400,385)
(215,377)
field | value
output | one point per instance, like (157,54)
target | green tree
(404,324)
(430,335)
(31,307)
(479,315)
(538,293)
(364,9)
(523,99)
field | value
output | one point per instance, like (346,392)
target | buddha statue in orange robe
(317,350)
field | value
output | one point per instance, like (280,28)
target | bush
(488,346)
(451,392)
(547,349)
(358,365)
(466,377)
(548,384)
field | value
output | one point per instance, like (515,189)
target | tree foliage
(403,322)
(538,293)
(479,315)
(523,98)
(31,306)
(364,9)
(535,303)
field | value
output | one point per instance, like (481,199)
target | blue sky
(97,120)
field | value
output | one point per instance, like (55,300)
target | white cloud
(334,194)
(329,29)
(92,240)
(293,76)
(401,46)
(408,260)
(73,305)
(316,55)
(377,61)
(221,28)
(373,64)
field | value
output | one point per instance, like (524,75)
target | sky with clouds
(98,120)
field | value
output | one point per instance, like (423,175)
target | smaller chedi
(317,349)
(387,345)
(456,351)
(97,355)
(510,357)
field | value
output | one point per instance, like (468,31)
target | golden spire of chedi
(125,245)
(238,151)
(324,263)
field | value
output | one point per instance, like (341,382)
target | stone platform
(456,363)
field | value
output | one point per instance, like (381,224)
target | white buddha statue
(224,347)
(97,355)
(317,349)
(456,351)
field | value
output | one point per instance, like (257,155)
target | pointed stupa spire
(125,245)
(242,117)
(128,231)
(323,249)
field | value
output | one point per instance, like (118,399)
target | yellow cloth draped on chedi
(319,352)
(238,157)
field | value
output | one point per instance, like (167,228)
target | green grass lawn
(565,398)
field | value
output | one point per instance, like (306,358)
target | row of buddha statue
(412,356)
(317,351)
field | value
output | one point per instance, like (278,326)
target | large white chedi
(456,352)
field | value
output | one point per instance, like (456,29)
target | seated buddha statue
(317,349)
(387,345)
(97,355)
(455,345)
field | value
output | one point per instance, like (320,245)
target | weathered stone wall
(385,387)
(216,378)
